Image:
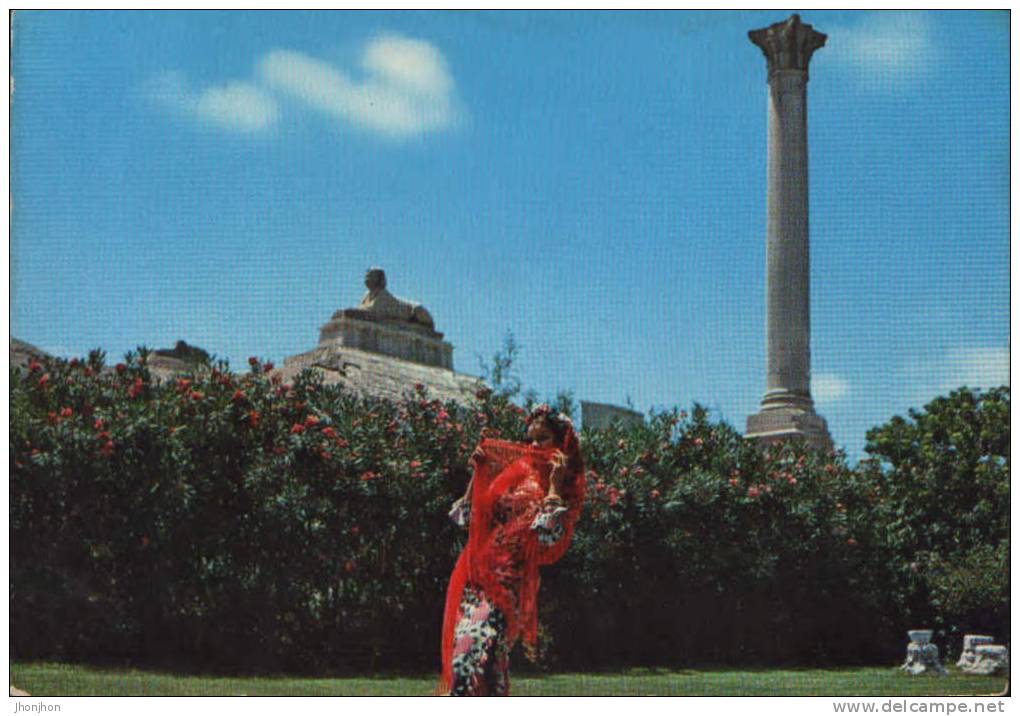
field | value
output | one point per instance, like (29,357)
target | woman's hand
(559,471)
(478,457)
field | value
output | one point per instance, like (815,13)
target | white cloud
(406,89)
(238,106)
(828,387)
(977,367)
(885,47)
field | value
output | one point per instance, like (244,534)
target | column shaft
(788,329)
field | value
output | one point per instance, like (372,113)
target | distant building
(383,347)
(601,416)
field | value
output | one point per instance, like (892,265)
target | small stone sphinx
(387,325)
(378,304)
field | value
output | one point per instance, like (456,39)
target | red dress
(514,529)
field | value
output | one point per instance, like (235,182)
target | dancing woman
(520,509)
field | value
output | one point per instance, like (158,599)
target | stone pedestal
(989,660)
(787,409)
(417,344)
(970,642)
(922,655)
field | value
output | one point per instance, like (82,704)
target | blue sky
(594,183)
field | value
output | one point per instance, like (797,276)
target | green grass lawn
(52,679)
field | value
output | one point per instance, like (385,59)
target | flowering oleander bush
(234,521)
(700,547)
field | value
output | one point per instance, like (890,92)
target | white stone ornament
(922,655)
(970,642)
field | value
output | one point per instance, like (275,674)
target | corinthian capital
(787,45)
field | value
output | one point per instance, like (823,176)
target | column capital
(787,45)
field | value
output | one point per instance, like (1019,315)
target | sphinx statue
(378,304)
(387,325)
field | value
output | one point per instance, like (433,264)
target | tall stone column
(787,409)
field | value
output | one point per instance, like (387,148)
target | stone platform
(407,341)
(381,376)
(784,423)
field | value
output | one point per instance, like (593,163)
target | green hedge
(225,521)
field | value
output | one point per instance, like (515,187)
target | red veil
(522,471)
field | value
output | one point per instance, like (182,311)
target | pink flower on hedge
(851,542)
(614,496)
(135,389)
(183,384)
(88,372)
(267,367)
(34,367)
(698,442)
(368,475)
(734,481)
(792,480)
(342,443)
(107,448)
(830,468)
(355,530)
(52,418)
(753,491)
(442,415)
(600,486)
(66,413)
(329,432)
(253,361)
(44,380)
(238,396)
(297,429)
(311,421)
(350,565)
(253,418)
(120,368)
(414,464)
(98,425)
(654,494)
(195,395)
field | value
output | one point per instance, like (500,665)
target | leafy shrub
(943,475)
(235,522)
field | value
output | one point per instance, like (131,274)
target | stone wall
(600,416)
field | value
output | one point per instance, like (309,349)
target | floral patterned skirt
(481,654)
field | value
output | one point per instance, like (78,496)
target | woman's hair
(557,423)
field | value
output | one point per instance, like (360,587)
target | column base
(789,422)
